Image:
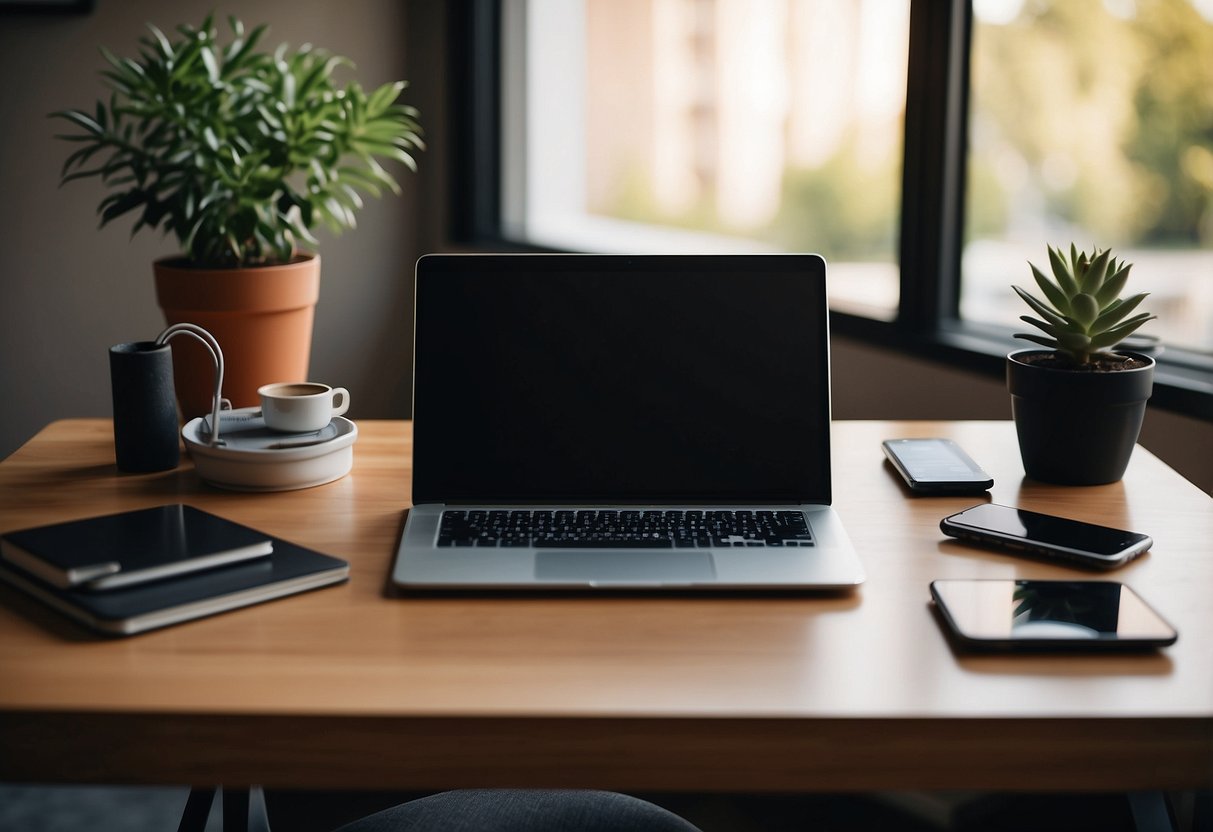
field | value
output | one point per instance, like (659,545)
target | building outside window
(719,125)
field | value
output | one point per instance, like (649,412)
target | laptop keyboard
(623,529)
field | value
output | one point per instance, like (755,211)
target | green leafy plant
(239,153)
(1083,313)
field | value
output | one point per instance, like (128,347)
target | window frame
(931,225)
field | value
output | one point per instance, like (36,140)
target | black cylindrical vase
(145,407)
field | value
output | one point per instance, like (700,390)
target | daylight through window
(1092,121)
(718,126)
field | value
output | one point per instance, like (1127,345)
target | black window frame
(931,225)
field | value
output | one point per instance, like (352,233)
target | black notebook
(141,607)
(133,609)
(114,550)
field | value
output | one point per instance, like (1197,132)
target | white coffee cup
(301,406)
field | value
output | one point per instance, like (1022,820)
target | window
(715,125)
(926,148)
(1093,121)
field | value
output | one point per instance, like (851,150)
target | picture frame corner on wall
(47,6)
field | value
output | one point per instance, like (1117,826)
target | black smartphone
(936,466)
(1043,535)
(1048,615)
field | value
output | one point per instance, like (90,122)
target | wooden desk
(345,687)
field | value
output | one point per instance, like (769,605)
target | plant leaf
(1075,342)
(1037,339)
(1042,310)
(1116,312)
(1051,291)
(122,204)
(383,97)
(1094,275)
(212,67)
(1113,286)
(166,48)
(1048,328)
(79,157)
(1118,334)
(236,151)
(81,120)
(1084,309)
(1063,272)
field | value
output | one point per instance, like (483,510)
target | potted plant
(1079,405)
(240,154)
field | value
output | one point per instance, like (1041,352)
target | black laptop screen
(618,379)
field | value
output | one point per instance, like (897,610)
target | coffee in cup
(301,406)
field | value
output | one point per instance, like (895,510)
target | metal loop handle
(208,340)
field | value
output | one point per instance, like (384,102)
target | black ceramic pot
(1077,428)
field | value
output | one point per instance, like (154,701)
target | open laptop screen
(621,379)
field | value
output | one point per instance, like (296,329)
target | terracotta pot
(261,317)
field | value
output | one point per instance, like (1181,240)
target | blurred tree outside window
(1092,121)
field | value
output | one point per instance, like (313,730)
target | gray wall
(68,291)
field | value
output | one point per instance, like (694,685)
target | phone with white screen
(1025,532)
(1048,615)
(936,466)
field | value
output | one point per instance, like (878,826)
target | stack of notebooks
(139,570)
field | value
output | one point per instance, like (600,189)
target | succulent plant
(1083,313)
(238,152)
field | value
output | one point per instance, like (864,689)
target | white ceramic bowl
(281,469)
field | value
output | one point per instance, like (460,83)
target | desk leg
(197,810)
(1192,810)
(244,810)
(259,818)
(1151,812)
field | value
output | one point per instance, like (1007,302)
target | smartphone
(936,466)
(1048,615)
(1043,535)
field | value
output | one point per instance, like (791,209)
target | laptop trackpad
(624,566)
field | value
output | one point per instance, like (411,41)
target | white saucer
(271,469)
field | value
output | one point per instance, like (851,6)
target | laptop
(614,422)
